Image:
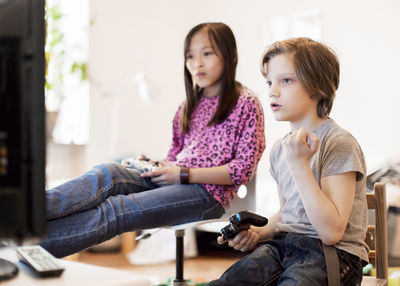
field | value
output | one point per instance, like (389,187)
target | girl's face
(204,64)
(289,99)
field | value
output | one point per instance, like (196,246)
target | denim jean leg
(298,260)
(304,261)
(307,265)
(261,267)
(88,190)
(173,204)
(350,268)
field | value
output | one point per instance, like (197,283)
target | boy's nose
(274,92)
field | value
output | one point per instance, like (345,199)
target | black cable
(147,235)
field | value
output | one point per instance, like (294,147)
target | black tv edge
(22,123)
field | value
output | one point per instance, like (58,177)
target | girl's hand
(299,147)
(244,241)
(168,174)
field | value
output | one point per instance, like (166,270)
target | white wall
(127,37)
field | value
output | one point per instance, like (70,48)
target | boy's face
(289,99)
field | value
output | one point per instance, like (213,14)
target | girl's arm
(239,170)
(170,174)
(250,142)
(213,176)
(177,137)
(328,207)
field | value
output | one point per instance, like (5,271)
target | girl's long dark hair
(224,44)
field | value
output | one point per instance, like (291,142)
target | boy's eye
(269,83)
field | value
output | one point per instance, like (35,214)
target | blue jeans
(110,199)
(290,259)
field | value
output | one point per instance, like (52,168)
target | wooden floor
(203,268)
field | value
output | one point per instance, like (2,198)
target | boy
(320,172)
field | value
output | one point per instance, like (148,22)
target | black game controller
(241,221)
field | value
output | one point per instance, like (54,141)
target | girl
(218,139)
(321,176)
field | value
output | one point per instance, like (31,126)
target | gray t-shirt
(338,153)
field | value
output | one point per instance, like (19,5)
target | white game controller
(143,164)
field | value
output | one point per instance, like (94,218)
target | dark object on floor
(189,283)
(8,270)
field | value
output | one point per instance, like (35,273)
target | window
(67,87)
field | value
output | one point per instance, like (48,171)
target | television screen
(22,120)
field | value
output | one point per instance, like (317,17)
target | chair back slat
(371,201)
(378,232)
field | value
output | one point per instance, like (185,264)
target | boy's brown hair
(315,65)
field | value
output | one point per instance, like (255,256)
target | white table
(75,274)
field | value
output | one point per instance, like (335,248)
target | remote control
(39,260)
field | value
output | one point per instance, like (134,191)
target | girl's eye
(286,80)
(269,83)
(189,57)
(208,53)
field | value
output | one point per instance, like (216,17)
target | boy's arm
(328,208)
(267,231)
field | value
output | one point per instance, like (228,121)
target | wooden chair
(376,237)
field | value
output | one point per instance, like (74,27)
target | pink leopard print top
(237,143)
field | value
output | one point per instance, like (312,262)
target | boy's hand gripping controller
(241,221)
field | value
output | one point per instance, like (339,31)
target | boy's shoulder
(330,132)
